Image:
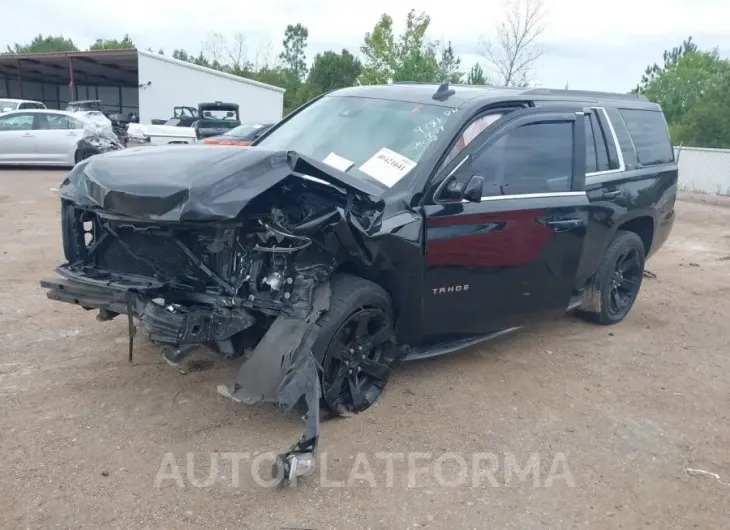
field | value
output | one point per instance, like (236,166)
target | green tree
(294,55)
(201,60)
(476,76)
(113,44)
(450,66)
(331,71)
(180,55)
(693,89)
(671,58)
(407,57)
(41,44)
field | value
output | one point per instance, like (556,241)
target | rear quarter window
(650,135)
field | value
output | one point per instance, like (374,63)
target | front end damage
(231,249)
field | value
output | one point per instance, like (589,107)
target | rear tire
(356,348)
(611,293)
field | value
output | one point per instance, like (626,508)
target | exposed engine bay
(211,281)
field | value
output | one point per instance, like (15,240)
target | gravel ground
(627,424)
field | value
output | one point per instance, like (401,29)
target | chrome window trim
(614,137)
(547,195)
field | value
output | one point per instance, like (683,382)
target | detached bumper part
(283,369)
(160,322)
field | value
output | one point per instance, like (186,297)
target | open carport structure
(138,81)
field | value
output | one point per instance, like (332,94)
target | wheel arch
(642,225)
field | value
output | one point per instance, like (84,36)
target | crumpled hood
(194,182)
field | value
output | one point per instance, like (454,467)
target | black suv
(373,225)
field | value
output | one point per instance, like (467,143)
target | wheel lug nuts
(349,371)
(352,351)
(363,356)
(358,368)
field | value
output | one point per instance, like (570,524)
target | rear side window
(648,130)
(623,137)
(596,150)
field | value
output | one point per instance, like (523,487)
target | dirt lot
(630,408)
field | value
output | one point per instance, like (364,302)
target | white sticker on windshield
(338,162)
(387,166)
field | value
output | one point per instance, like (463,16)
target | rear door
(511,257)
(56,137)
(17,138)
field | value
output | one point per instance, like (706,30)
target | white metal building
(133,81)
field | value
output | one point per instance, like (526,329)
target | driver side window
(533,158)
(16,122)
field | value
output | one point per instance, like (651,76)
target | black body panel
(199,184)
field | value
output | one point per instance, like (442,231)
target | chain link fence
(704,170)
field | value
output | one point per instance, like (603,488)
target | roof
(102,67)
(12,100)
(422,93)
(99,67)
(39,111)
(417,93)
(210,71)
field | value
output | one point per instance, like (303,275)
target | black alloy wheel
(612,291)
(358,361)
(625,281)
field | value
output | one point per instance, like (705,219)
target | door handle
(613,194)
(563,225)
(28,135)
(71,134)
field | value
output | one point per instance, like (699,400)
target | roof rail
(612,95)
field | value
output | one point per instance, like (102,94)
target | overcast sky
(584,47)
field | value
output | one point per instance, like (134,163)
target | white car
(144,134)
(51,137)
(8,105)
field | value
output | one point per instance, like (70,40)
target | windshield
(218,114)
(244,130)
(8,105)
(368,138)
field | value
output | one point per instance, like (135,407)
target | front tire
(356,348)
(613,290)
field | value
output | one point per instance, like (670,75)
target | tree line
(693,88)
(385,55)
(692,85)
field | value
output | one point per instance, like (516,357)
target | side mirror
(474,188)
(453,191)
(457,190)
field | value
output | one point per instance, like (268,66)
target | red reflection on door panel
(517,240)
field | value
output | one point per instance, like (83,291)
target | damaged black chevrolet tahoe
(371,226)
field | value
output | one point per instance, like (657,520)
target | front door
(512,257)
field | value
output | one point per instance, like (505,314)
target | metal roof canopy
(104,67)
